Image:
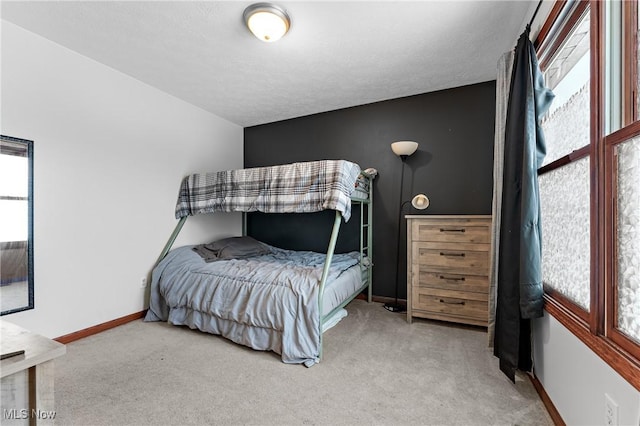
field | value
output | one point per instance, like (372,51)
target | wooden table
(27,379)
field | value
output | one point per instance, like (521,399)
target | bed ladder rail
(366,247)
(172,239)
(325,272)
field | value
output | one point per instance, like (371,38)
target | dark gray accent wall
(453,167)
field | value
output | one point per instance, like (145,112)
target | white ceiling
(336,54)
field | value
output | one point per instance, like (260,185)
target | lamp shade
(267,21)
(420,202)
(404,147)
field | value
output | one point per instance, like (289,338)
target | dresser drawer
(452,281)
(466,259)
(453,231)
(454,303)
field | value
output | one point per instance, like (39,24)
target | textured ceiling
(336,54)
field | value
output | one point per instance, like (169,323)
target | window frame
(596,328)
(630,111)
(568,16)
(30,253)
(610,142)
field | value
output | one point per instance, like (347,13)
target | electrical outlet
(143,282)
(610,411)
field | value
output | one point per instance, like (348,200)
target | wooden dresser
(448,268)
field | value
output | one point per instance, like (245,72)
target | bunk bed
(255,294)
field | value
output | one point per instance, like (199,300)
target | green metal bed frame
(366,254)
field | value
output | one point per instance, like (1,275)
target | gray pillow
(231,248)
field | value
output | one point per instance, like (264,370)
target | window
(626,221)
(634,74)
(589,193)
(564,177)
(631,58)
(16,227)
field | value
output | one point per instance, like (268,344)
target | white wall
(109,155)
(576,379)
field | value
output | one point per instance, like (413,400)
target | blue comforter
(268,302)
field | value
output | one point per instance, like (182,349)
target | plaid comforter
(291,188)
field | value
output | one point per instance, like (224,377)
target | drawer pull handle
(452,303)
(452,230)
(451,254)
(442,277)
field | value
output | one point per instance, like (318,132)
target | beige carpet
(377,369)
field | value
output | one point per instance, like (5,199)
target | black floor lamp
(404,149)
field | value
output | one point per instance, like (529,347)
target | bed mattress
(267,302)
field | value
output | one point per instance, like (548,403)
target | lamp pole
(396,307)
(402,149)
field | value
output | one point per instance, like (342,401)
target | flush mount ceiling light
(267,21)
